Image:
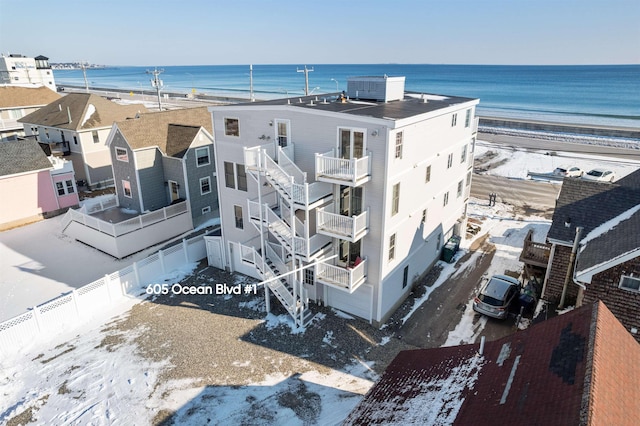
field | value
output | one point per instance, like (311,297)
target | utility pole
(251,98)
(306,72)
(84,72)
(157,84)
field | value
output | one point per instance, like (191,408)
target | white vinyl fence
(74,308)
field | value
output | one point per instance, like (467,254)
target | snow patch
(91,109)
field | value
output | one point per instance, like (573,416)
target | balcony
(533,253)
(343,278)
(342,171)
(344,227)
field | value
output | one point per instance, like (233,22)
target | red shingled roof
(582,367)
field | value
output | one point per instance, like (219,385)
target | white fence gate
(215,252)
(75,307)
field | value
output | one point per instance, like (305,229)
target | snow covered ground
(93,378)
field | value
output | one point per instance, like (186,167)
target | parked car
(568,171)
(496,296)
(601,175)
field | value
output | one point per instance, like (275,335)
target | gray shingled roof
(77,105)
(590,204)
(621,239)
(22,157)
(171,131)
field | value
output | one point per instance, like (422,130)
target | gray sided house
(163,158)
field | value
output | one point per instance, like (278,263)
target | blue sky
(198,32)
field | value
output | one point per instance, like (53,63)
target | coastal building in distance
(347,198)
(21,70)
(18,101)
(77,125)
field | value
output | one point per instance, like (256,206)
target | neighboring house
(18,101)
(77,125)
(159,158)
(361,190)
(18,69)
(605,264)
(33,186)
(579,368)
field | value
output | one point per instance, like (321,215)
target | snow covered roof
(590,204)
(578,368)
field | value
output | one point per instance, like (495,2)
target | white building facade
(365,187)
(21,70)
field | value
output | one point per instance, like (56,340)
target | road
(527,194)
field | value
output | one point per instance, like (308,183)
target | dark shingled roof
(22,157)
(78,105)
(410,106)
(582,367)
(590,204)
(621,239)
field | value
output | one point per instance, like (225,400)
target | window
(405,276)
(399,145)
(395,200)
(392,247)
(428,175)
(446,199)
(424,216)
(309,276)
(126,188)
(454,120)
(75,140)
(205,185)
(439,242)
(69,185)
(231,127)
(122,155)
(630,283)
(96,138)
(237,211)
(282,132)
(206,210)
(229,176)
(467,118)
(463,153)
(468,179)
(242,177)
(449,161)
(202,156)
(459,194)
(60,188)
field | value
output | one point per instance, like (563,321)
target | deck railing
(342,277)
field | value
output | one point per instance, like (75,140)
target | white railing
(290,167)
(343,278)
(95,206)
(330,166)
(124,227)
(337,225)
(74,308)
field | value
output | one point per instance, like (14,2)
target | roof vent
(59,107)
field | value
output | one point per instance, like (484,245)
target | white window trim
(206,210)
(275,130)
(633,290)
(119,157)
(399,145)
(224,126)
(207,178)
(352,130)
(208,156)
(124,191)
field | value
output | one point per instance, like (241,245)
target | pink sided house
(33,187)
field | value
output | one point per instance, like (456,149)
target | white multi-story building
(365,187)
(18,69)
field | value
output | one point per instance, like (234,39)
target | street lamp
(333,79)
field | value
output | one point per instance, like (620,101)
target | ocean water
(593,95)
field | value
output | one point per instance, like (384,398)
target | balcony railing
(534,253)
(330,168)
(351,228)
(343,278)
